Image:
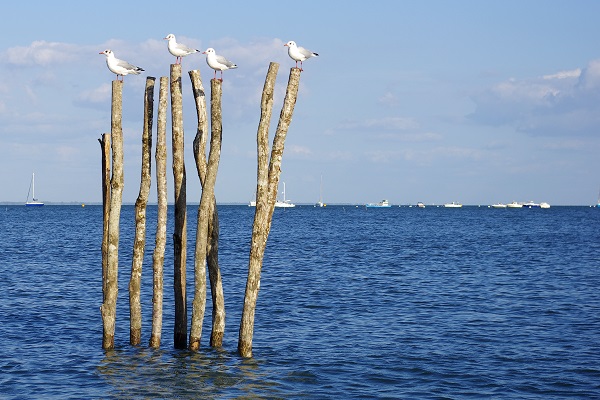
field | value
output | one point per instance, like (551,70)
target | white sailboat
(320,203)
(285,203)
(34,202)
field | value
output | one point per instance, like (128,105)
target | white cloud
(562,103)
(388,124)
(98,95)
(41,53)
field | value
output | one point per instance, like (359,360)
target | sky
(434,101)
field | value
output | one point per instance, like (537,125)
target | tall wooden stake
(180,234)
(139,243)
(266,192)
(105,146)
(158,257)
(205,214)
(214,272)
(109,307)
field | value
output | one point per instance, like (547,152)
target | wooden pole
(214,272)
(139,242)
(158,257)
(266,193)
(105,147)
(109,307)
(205,213)
(180,234)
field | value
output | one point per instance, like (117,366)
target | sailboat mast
(33,185)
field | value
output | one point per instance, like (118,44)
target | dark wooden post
(205,213)
(139,243)
(158,257)
(214,272)
(180,234)
(105,147)
(109,307)
(266,193)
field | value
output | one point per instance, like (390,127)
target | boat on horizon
(454,204)
(421,204)
(320,202)
(499,205)
(285,203)
(514,204)
(382,204)
(34,202)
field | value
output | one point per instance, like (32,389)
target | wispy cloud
(562,103)
(41,53)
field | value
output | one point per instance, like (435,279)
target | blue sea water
(400,303)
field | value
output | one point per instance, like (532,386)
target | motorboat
(382,204)
(514,204)
(499,205)
(420,205)
(531,204)
(544,205)
(454,204)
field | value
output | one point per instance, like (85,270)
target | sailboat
(320,203)
(285,203)
(34,202)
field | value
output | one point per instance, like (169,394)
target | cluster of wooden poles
(207,232)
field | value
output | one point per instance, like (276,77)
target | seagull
(217,62)
(119,67)
(299,53)
(177,49)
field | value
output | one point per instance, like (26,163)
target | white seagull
(218,63)
(119,67)
(299,53)
(179,50)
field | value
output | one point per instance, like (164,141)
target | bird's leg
(221,76)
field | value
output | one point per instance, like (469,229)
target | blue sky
(434,101)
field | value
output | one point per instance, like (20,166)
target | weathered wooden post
(180,234)
(206,211)
(109,307)
(105,147)
(214,272)
(139,242)
(158,256)
(266,193)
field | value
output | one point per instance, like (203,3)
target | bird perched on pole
(179,50)
(299,53)
(218,63)
(119,67)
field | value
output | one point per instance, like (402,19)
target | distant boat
(285,203)
(598,203)
(514,204)
(544,205)
(421,205)
(499,205)
(382,204)
(278,203)
(453,205)
(34,202)
(320,202)
(531,204)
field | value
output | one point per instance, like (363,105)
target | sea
(354,302)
